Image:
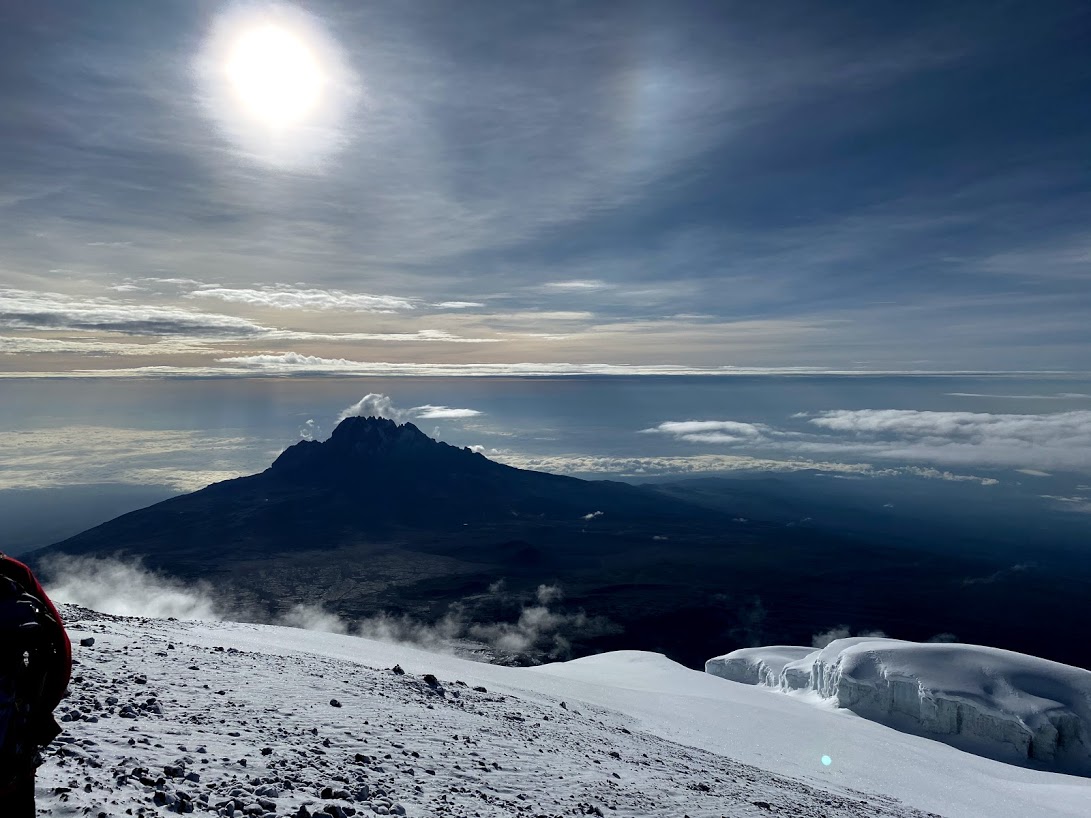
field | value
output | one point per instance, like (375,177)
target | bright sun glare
(277,84)
(274,74)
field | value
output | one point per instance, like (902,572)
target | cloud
(1078,504)
(373,405)
(548,594)
(22,309)
(1060,440)
(594,515)
(379,405)
(996,576)
(458,305)
(575,286)
(86,345)
(85,454)
(313,618)
(538,626)
(430,412)
(1057,396)
(54,312)
(127,589)
(712,431)
(680,465)
(294,363)
(285,297)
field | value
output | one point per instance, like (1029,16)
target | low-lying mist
(539,629)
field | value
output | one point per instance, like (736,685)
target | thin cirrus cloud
(26,345)
(612,192)
(26,310)
(294,298)
(575,286)
(1060,440)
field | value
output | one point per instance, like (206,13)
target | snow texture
(993,702)
(229,719)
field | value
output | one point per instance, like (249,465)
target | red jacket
(57,680)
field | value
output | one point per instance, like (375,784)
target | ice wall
(993,702)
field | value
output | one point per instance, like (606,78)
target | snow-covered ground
(994,702)
(249,719)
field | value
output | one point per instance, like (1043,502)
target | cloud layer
(1060,440)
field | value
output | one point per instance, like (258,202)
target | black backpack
(24,646)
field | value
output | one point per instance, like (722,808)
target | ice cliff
(992,702)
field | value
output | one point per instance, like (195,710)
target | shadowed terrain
(381,518)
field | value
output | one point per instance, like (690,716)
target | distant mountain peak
(358,441)
(376,433)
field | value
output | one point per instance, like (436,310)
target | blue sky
(876,186)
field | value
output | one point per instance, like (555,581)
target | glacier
(992,702)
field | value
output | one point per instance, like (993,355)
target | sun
(274,75)
(277,84)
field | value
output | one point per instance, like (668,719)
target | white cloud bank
(1032,443)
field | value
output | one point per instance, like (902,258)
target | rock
(334,703)
(397,670)
(87,641)
(431,680)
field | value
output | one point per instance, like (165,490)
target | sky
(248,189)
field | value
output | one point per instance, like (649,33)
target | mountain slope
(382,519)
(372,478)
(249,711)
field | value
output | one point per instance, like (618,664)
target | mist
(128,588)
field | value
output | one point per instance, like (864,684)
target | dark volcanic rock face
(359,447)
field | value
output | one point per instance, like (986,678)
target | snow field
(238,720)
